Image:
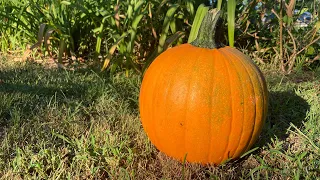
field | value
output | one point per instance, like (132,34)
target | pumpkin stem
(207,33)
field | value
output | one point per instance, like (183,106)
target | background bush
(129,34)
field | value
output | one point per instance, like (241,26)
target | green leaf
(200,14)
(65,2)
(310,50)
(138,5)
(130,11)
(133,33)
(190,7)
(166,25)
(173,26)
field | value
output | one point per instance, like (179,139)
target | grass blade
(306,137)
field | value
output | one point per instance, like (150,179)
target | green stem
(207,33)
(219,4)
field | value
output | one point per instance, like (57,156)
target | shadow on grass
(34,79)
(74,90)
(31,87)
(285,107)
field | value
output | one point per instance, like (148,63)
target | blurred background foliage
(117,35)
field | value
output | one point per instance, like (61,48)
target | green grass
(63,124)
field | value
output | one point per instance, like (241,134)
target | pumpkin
(202,102)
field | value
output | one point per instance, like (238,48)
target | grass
(63,124)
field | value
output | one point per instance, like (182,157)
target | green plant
(136,47)
(109,31)
(60,25)
(73,28)
(273,29)
(13,23)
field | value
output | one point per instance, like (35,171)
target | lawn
(83,124)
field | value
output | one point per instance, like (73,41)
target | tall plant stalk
(231,21)
(219,4)
(281,36)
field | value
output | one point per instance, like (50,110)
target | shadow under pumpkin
(285,107)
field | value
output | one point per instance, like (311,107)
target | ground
(83,124)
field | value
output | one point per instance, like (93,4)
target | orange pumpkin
(205,103)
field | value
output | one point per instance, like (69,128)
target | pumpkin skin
(208,105)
